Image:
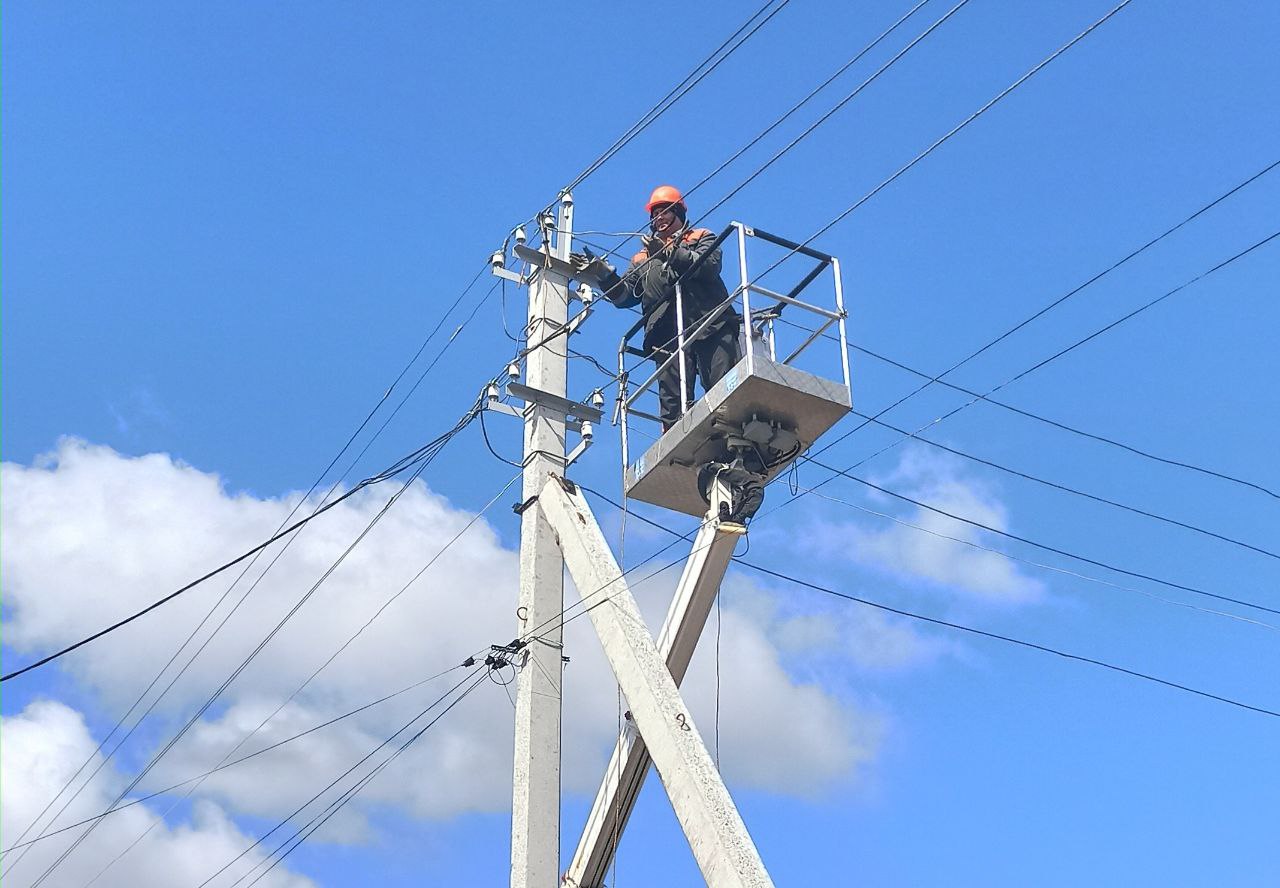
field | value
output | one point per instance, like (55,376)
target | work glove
(653,245)
(591,268)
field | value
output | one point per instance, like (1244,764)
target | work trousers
(708,358)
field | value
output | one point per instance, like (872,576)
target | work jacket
(652,286)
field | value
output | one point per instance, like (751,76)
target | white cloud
(90,535)
(43,747)
(979,575)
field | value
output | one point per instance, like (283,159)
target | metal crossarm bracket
(542,260)
(724,851)
(569,409)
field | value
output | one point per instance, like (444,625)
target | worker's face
(664,221)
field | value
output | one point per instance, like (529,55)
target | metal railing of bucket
(762,339)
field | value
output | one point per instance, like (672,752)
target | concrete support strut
(711,823)
(699,584)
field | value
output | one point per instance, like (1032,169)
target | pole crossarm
(699,583)
(721,845)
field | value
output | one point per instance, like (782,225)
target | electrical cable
(182,670)
(333,656)
(384,475)
(191,585)
(484,432)
(347,796)
(1079,342)
(679,91)
(427,455)
(475,682)
(224,766)
(848,98)
(1021,539)
(970,629)
(1077,289)
(1039,66)
(1068,489)
(1133,673)
(936,144)
(1038,417)
(1038,564)
(804,101)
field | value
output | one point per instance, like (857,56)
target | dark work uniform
(652,286)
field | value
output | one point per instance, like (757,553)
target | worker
(667,254)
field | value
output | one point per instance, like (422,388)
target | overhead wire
(1009,639)
(794,108)
(474,682)
(973,630)
(279,532)
(426,455)
(1074,491)
(1037,564)
(337,805)
(936,143)
(333,656)
(1076,290)
(1037,479)
(231,764)
(848,98)
(1038,417)
(1033,543)
(853,60)
(1058,354)
(387,473)
(681,89)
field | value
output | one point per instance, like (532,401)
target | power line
(1021,539)
(947,136)
(1039,564)
(936,144)
(1074,291)
(351,793)
(406,727)
(1071,490)
(692,79)
(848,98)
(969,629)
(426,455)
(350,640)
(1079,342)
(225,765)
(253,561)
(386,474)
(804,101)
(1132,673)
(1040,417)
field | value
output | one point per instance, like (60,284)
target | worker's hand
(590,268)
(653,245)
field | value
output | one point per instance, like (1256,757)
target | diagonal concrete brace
(699,583)
(711,823)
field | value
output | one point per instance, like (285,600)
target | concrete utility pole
(535,812)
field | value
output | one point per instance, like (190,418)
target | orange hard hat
(665,194)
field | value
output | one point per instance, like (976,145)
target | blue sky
(228,228)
